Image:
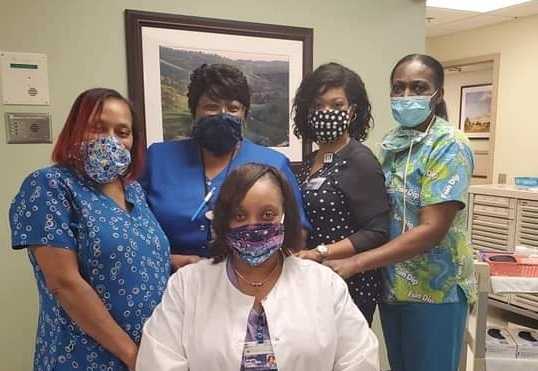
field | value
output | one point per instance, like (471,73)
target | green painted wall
(85,45)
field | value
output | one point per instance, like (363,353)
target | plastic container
(499,343)
(526,181)
(515,265)
(526,340)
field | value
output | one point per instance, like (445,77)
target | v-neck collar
(127,192)
(336,157)
(225,170)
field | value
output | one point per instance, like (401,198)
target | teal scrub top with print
(124,257)
(439,169)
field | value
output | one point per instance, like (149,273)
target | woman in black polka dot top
(342,183)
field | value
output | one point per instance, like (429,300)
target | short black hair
(438,74)
(218,81)
(316,83)
(233,191)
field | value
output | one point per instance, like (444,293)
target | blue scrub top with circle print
(124,256)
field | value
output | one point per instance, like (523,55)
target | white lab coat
(201,322)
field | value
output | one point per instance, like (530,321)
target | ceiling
(444,21)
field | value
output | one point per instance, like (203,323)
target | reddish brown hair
(84,112)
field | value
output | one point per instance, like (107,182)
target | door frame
(495,60)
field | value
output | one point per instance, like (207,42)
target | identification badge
(259,356)
(328,157)
(315,183)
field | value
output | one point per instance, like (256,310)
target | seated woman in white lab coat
(253,305)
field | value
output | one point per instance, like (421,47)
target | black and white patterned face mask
(328,125)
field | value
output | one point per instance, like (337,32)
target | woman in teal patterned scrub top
(428,274)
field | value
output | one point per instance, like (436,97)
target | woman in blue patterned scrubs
(100,258)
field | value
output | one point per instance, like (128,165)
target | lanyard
(259,328)
(209,193)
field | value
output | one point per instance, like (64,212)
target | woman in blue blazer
(182,178)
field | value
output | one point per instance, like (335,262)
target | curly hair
(218,81)
(316,83)
(232,193)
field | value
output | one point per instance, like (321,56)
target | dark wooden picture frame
(136,21)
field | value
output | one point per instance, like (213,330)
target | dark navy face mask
(218,133)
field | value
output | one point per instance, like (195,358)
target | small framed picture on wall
(475,110)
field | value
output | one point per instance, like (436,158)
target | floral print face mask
(255,243)
(105,159)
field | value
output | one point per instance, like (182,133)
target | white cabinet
(500,218)
(527,223)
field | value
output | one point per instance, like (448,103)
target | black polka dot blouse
(349,200)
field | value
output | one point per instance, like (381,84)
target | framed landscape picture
(163,50)
(475,110)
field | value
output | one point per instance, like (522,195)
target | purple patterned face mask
(255,243)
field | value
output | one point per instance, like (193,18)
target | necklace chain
(259,283)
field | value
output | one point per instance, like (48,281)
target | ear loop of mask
(405,174)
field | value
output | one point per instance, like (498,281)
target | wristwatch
(323,250)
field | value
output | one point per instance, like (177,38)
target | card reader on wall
(28,128)
(24,78)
